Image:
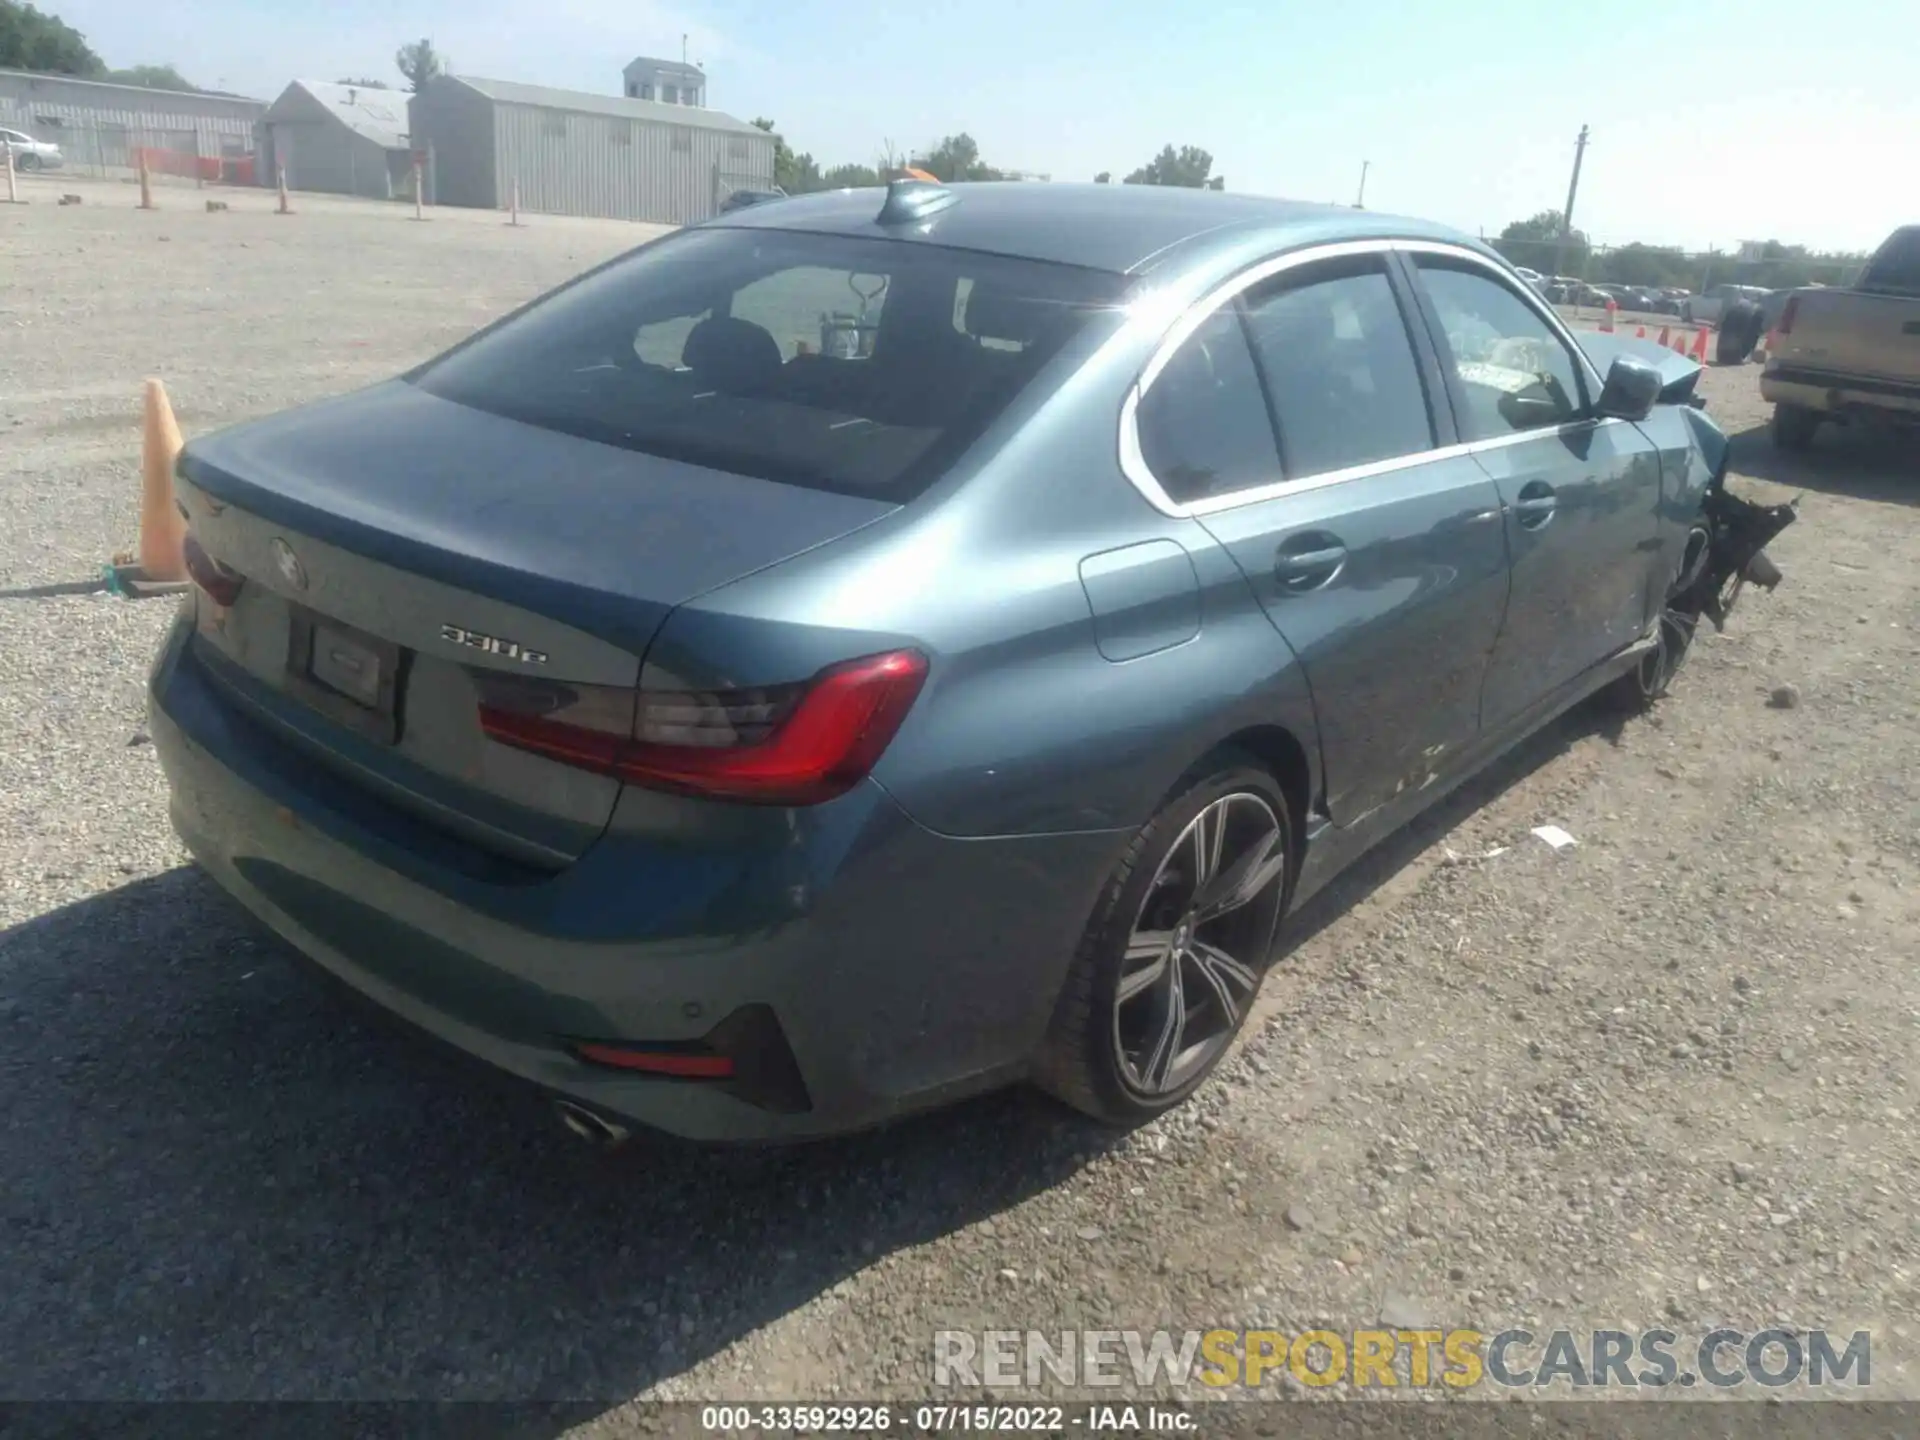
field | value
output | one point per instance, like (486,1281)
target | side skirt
(1330,848)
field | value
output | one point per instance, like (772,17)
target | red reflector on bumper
(688,1066)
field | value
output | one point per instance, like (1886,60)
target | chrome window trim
(1134,465)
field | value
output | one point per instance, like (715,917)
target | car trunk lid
(396,548)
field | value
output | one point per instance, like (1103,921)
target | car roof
(1121,228)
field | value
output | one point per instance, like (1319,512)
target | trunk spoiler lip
(595,612)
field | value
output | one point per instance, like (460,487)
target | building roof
(1125,228)
(108,91)
(379,115)
(583,103)
(664,67)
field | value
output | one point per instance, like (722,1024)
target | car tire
(1794,427)
(26,163)
(1157,990)
(1647,683)
(1740,330)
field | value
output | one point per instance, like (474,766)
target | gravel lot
(1668,1075)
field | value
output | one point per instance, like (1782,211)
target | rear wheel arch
(1280,752)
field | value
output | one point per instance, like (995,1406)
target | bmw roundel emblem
(291,569)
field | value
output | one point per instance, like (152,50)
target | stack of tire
(1742,328)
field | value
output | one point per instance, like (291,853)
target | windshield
(853,365)
(1895,267)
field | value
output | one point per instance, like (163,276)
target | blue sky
(1711,122)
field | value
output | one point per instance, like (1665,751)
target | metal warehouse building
(100,127)
(572,153)
(341,139)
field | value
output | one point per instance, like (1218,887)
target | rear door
(1380,561)
(1580,495)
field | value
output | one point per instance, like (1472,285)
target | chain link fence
(107,151)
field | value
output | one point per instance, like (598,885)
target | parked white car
(29,153)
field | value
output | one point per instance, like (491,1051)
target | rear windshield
(853,365)
(1895,267)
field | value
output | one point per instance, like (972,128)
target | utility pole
(1360,200)
(1566,216)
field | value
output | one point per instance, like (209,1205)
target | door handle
(1306,562)
(1535,504)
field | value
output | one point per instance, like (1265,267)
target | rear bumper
(1839,394)
(903,968)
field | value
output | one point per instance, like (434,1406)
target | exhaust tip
(596,1130)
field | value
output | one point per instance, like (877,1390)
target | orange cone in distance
(1641,333)
(1666,336)
(1700,345)
(163,531)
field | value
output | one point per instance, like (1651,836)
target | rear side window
(818,360)
(1510,369)
(1203,423)
(1339,367)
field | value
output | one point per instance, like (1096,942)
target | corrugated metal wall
(27,102)
(455,123)
(326,156)
(569,163)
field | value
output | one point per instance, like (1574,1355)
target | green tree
(845,177)
(364,84)
(795,174)
(1639,264)
(1189,166)
(1531,242)
(1105,177)
(957,157)
(153,77)
(419,62)
(30,39)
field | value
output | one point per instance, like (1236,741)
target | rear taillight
(1785,327)
(221,584)
(782,745)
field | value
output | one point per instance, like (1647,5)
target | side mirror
(1632,388)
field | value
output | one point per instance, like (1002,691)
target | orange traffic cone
(1606,322)
(1666,336)
(159,565)
(1641,333)
(1700,345)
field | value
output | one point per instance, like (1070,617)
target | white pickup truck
(1850,354)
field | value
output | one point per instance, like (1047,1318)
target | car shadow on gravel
(1844,460)
(224,1183)
(1405,845)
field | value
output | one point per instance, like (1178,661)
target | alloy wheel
(1199,944)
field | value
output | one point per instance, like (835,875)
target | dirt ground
(1669,1075)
